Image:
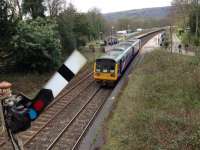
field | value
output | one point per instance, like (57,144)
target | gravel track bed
(69,138)
(58,105)
(47,135)
(76,79)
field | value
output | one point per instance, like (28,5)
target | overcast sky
(117,5)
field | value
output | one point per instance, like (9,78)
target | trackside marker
(75,62)
(56,84)
(66,72)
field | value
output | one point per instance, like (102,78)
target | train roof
(113,55)
(124,45)
(133,40)
(118,51)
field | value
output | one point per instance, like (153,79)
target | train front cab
(106,72)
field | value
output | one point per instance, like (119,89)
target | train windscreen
(105,66)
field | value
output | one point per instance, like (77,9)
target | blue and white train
(110,67)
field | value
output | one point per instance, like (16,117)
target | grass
(160,107)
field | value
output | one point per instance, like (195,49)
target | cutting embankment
(160,106)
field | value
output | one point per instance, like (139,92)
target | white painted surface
(56,84)
(75,62)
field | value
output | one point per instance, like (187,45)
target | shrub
(159,108)
(186,38)
(36,45)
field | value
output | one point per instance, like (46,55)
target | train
(110,67)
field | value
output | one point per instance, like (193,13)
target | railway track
(75,87)
(67,119)
(94,98)
(48,134)
(73,132)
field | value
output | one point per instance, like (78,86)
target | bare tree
(54,7)
(18,5)
(182,10)
(195,5)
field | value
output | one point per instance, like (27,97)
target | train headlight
(98,70)
(105,71)
(112,71)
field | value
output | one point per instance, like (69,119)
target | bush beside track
(160,107)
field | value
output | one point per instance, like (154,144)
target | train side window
(133,50)
(120,66)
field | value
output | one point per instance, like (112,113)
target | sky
(117,5)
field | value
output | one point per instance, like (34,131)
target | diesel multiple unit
(110,67)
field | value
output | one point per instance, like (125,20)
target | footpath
(181,50)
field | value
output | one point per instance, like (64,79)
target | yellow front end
(101,76)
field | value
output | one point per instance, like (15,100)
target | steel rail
(51,105)
(73,119)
